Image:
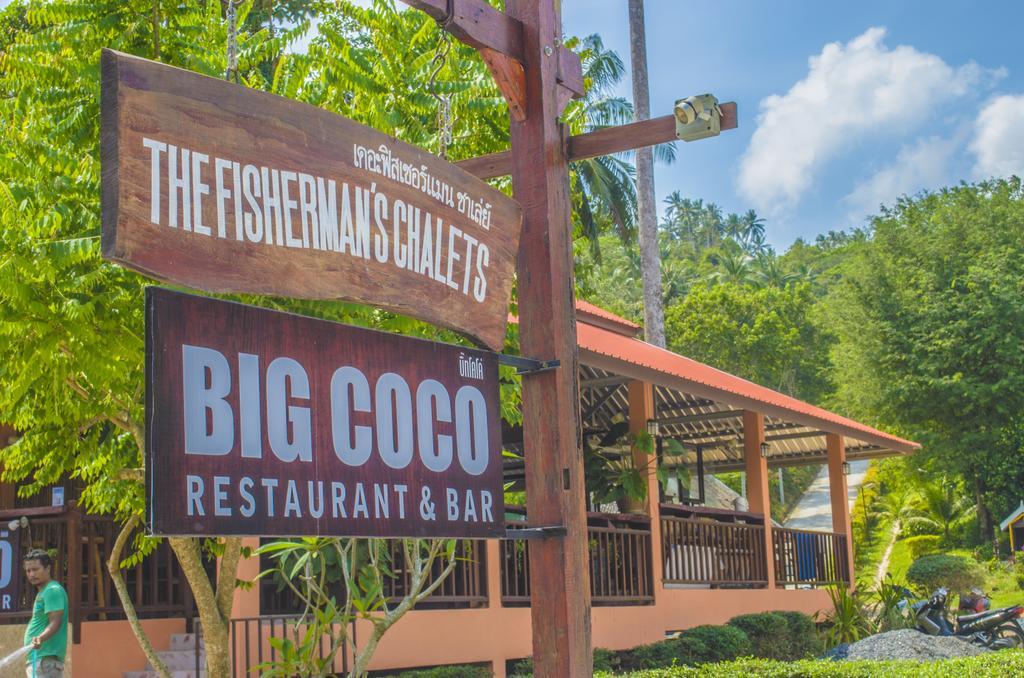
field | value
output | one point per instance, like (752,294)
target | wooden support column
(840,495)
(641,409)
(559,572)
(757,482)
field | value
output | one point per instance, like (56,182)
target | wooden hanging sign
(265,423)
(222,188)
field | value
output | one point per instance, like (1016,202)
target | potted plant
(615,474)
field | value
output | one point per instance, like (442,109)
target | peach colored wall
(247,601)
(493,634)
(496,633)
(109,648)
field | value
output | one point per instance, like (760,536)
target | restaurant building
(669,564)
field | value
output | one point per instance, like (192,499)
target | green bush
(922,545)
(653,656)
(956,573)
(604,660)
(709,643)
(783,635)
(450,671)
(768,633)
(804,640)
(916,528)
(699,645)
(1002,663)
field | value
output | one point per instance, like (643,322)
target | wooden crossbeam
(599,382)
(703,416)
(602,142)
(599,401)
(479,25)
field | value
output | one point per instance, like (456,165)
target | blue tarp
(806,569)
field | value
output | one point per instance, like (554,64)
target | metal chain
(232,47)
(445,123)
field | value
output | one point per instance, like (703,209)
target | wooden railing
(620,562)
(702,551)
(251,644)
(465,587)
(80,545)
(810,558)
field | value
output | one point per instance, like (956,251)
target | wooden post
(559,576)
(757,482)
(641,409)
(839,493)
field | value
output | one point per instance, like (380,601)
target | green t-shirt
(51,599)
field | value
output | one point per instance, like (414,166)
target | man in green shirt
(47,631)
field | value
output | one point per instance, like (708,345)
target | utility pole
(647,216)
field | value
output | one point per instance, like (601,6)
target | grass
(1000,581)
(869,555)
(900,560)
(1005,663)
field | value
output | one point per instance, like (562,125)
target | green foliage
(803,639)
(767,632)
(940,507)
(604,660)
(957,573)
(341,580)
(848,621)
(889,615)
(779,635)
(922,545)
(1005,662)
(762,334)
(930,316)
(698,645)
(712,643)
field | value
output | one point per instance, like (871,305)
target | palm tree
(603,188)
(939,507)
(654,315)
(734,266)
(753,228)
(769,273)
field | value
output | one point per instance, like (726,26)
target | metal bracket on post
(543,532)
(527,365)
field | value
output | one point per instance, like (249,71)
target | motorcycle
(994,629)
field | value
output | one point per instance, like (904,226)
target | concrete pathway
(814,511)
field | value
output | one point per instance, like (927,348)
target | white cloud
(999,138)
(851,92)
(922,165)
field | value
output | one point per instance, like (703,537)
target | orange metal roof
(625,355)
(598,316)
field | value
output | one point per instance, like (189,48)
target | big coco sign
(266,423)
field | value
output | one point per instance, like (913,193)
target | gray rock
(911,644)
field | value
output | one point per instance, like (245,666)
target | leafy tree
(71,326)
(930,319)
(762,334)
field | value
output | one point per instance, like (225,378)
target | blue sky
(843,106)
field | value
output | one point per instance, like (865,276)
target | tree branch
(227,576)
(114,567)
